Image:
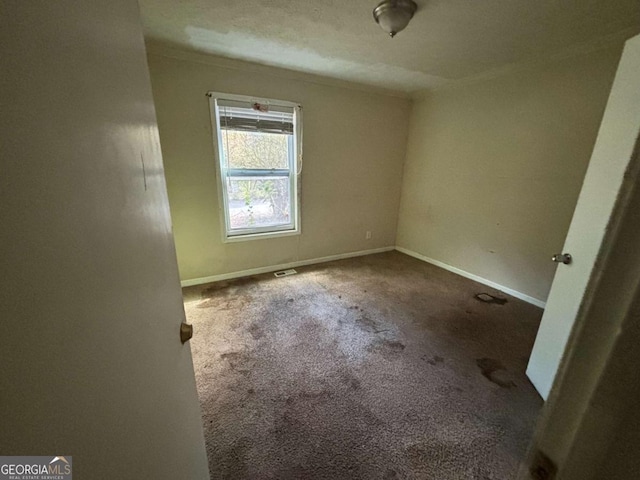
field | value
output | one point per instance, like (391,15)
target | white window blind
(245,116)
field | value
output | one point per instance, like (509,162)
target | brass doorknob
(186,332)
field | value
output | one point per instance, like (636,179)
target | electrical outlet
(368,235)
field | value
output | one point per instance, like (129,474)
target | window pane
(258,202)
(255,149)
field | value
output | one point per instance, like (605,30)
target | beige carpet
(378,367)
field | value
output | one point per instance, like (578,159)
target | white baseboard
(330,258)
(471,276)
(283,266)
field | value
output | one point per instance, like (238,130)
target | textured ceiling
(447,40)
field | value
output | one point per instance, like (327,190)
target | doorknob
(562,258)
(186,332)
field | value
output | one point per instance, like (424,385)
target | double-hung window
(258,148)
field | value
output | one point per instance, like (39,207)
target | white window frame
(295,159)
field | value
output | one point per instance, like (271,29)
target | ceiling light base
(394,15)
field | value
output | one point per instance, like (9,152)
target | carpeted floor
(377,367)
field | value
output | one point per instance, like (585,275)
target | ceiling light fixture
(394,15)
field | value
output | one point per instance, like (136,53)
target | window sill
(261,236)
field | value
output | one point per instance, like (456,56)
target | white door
(90,303)
(592,219)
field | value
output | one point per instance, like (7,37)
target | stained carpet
(377,367)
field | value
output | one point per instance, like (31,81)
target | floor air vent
(284,273)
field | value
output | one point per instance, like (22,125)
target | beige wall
(494,169)
(354,147)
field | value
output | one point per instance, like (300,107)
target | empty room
(364,222)
(321,240)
